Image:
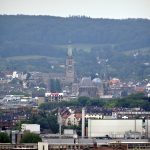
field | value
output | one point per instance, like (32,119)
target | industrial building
(115,128)
(82,144)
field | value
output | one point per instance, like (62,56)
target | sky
(116,9)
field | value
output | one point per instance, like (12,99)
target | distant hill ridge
(31,34)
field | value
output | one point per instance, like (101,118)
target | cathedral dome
(96,80)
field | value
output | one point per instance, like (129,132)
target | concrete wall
(113,128)
(147,129)
(42,146)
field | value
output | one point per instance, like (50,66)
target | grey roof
(86,82)
(84,93)
(97,80)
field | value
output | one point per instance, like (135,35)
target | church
(70,73)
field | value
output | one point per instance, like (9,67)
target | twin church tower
(70,73)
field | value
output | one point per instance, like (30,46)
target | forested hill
(38,32)
(113,48)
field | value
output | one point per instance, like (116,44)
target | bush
(30,138)
(4,138)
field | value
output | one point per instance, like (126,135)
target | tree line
(131,101)
(30,34)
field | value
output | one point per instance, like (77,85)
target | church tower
(70,74)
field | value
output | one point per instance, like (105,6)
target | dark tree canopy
(30,138)
(4,138)
(38,31)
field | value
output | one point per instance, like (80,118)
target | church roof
(86,81)
(69,51)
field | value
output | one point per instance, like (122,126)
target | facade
(87,88)
(93,116)
(75,88)
(99,84)
(54,96)
(15,136)
(131,114)
(113,128)
(17,100)
(147,128)
(39,100)
(72,119)
(11,115)
(70,74)
(69,132)
(90,88)
(148,90)
(113,145)
(148,87)
(9,146)
(35,128)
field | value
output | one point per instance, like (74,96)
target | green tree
(30,138)
(50,120)
(4,138)
(83,101)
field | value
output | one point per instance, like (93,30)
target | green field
(84,47)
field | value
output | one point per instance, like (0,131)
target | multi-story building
(57,97)
(131,114)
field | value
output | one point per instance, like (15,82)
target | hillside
(43,31)
(103,46)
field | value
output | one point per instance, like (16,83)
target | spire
(69,65)
(69,50)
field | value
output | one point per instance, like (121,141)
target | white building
(72,119)
(16,100)
(148,87)
(8,98)
(15,74)
(34,128)
(148,90)
(93,116)
(147,128)
(113,128)
(43,146)
(54,96)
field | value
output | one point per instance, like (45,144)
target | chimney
(83,122)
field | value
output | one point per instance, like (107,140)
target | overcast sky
(93,8)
